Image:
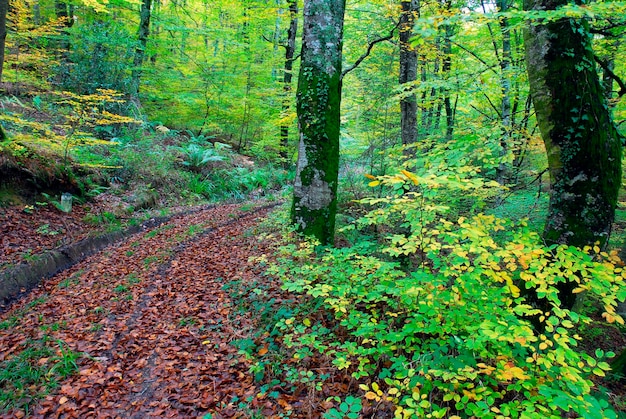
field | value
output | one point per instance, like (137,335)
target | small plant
(45,230)
(196,157)
(350,408)
(187,321)
(120,289)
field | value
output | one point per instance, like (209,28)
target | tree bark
(140,51)
(4,8)
(582,143)
(318,108)
(290,51)
(408,73)
(503,170)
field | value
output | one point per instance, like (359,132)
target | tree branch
(370,45)
(608,72)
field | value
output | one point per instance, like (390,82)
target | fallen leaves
(154,325)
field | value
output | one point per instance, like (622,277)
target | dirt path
(151,314)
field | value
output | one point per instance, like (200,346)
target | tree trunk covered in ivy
(408,73)
(140,51)
(318,108)
(582,143)
(290,52)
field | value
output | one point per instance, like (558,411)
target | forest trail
(151,315)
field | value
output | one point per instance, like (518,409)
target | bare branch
(370,45)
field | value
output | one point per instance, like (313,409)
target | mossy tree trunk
(318,107)
(140,51)
(582,143)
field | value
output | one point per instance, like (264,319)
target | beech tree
(582,143)
(318,109)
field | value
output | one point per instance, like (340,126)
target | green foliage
(430,311)
(350,408)
(196,157)
(99,58)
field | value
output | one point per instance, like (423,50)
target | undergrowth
(31,374)
(429,310)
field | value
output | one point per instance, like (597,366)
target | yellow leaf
(370,177)
(370,395)
(307,322)
(515,291)
(374,183)
(411,176)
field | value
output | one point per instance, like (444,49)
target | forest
(312,209)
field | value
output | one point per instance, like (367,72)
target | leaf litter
(152,323)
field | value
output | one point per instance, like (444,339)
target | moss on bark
(318,108)
(583,146)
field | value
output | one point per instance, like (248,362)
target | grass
(16,317)
(34,372)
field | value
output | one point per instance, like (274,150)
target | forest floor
(147,328)
(146,323)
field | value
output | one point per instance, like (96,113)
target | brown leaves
(152,317)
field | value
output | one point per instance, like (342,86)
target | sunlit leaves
(446,308)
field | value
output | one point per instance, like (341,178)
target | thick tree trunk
(408,72)
(583,146)
(290,50)
(318,107)
(582,143)
(140,51)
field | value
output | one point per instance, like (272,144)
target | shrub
(432,316)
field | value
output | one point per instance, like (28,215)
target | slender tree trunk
(582,143)
(140,51)
(290,50)
(503,170)
(408,73)
(446,69)
(318,107)
(4,8)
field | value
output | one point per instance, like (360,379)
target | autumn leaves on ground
(145,328)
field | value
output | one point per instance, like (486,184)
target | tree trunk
(503,171)
(318,108)
(140,51)
(4,8)
(582,143)
(446,69)
(290,50)
(408,73)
